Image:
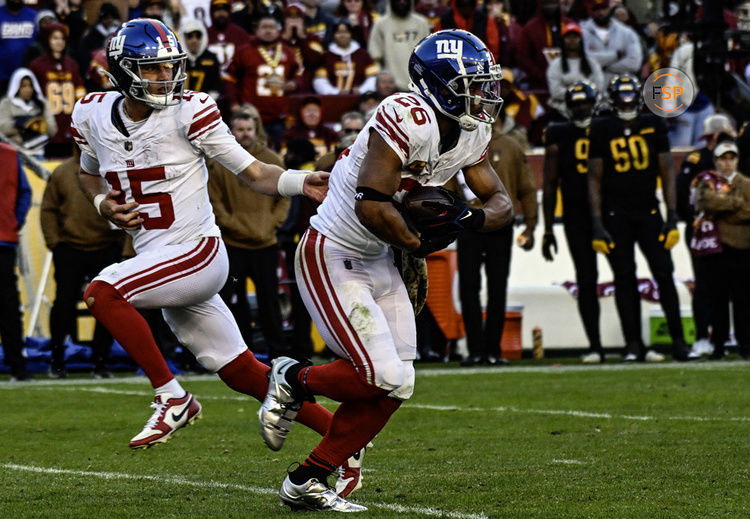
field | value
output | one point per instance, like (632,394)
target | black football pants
(493,249)
(578,235)
(641,227)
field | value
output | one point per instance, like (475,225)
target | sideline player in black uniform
(715,129)
(628,151)
(565,166)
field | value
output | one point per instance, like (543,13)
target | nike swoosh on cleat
(178,417)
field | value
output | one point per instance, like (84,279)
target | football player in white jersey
(142,167)
(344,263)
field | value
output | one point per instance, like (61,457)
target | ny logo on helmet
(449,48)
(116,45)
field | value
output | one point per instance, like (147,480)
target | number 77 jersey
(408,124)
(157,163)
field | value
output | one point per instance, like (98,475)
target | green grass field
(612,441)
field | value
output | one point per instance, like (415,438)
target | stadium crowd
(297,80)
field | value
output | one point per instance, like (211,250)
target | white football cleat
(170,414)
(702,347)
(593,357)
(280,407)
(350,473)
(314,495)
(654,356)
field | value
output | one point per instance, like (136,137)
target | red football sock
(354,425)
(247,375)
(130,329)
(338,380)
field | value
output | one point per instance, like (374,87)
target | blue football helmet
(458,76)
(580,101)
(139,43)
(624,92)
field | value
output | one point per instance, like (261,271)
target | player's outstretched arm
(380,175)
(497,205)
(273,180)
(107,202)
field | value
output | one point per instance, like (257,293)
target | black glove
(454,217)
(548,243)
(434,243)
(601,240)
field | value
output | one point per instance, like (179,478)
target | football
(424,207)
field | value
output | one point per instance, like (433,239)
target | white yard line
(181,481)
(429,407)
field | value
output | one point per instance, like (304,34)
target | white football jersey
(158,163)
(409,125)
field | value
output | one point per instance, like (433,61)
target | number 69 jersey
(409,125)
(158,163)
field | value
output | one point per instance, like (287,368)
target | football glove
(669,233)
(548,244)
(433,244)
(453,217)
(601,241)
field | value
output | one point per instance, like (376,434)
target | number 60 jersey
(158,162)
(408,124)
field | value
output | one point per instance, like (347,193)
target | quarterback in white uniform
(344,264)
(142,167)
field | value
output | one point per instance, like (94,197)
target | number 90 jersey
(158,163)
(408,124)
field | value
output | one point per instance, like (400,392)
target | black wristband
(368,193)
(474,220)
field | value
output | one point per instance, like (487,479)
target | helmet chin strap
(468,123)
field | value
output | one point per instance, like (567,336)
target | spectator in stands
(385,84)
(246,13)
(309,46)
(37,48)
(570,67)
(300,154)
(263,74)
(82,244)
(318,21)
(200,10)
(540,42)
(225,38)
(60,79)
(71,14)
(248,221)
(351,124)
(157,9)
(467,15)
(25,116)
(106,24)
(615,46)
(523,107)
(368,102)
(347,67)
(361,17)
(309,126)
(15,193)
(394,36)
(715,127)
(686,129)
(432,10)
(508,31)
(202,66)
(18,29)
(724,197)
(493,249)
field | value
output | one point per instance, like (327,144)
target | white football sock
(173,387)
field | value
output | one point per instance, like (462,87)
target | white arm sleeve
(221,145)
